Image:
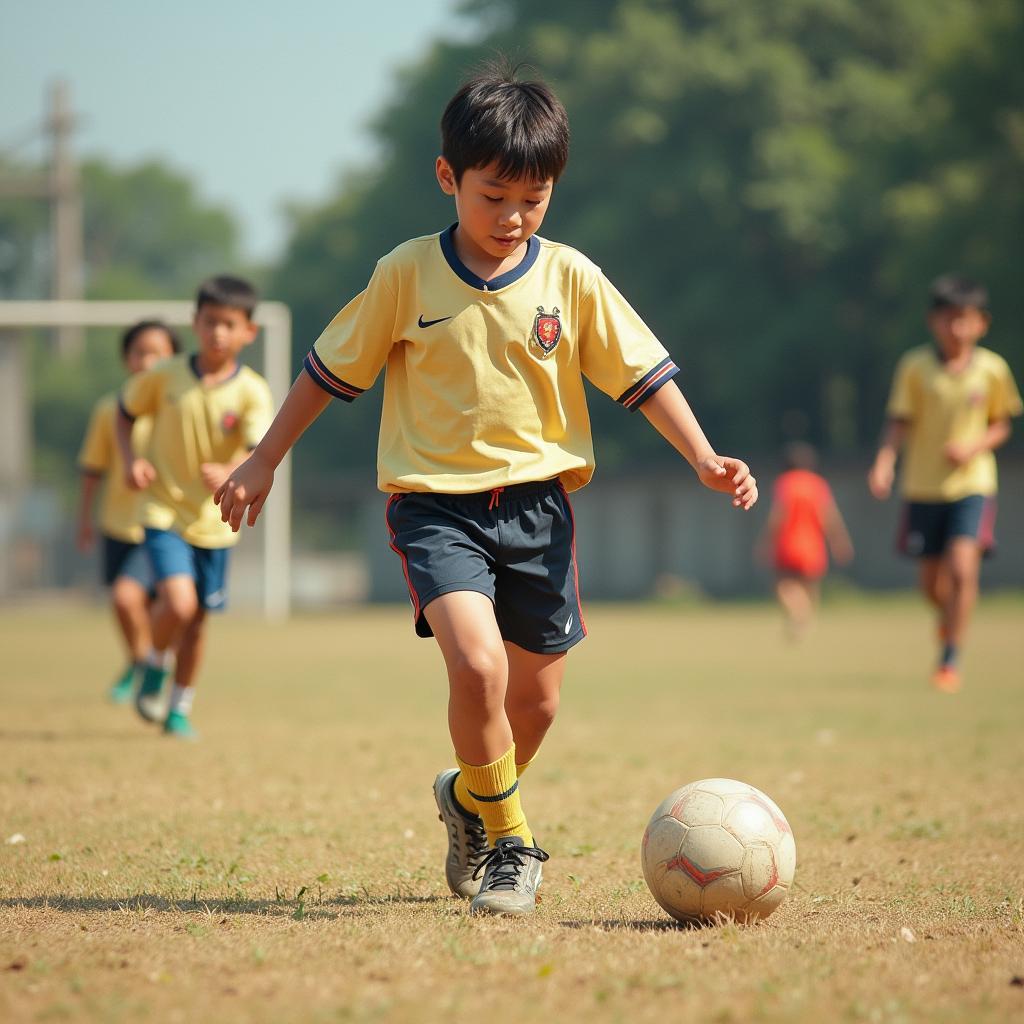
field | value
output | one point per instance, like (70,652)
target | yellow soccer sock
(462,796)
(494,790)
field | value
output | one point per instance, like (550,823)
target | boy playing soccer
(487,332)
(208,410)
(950,406)
(803,526)
(126,569)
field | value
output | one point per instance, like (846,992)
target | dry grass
(287,868)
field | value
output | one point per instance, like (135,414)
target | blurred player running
(125,566)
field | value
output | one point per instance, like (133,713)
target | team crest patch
(229,421)
(547,330)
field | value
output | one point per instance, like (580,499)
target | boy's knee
(127,595)
(182,604)
(480,672)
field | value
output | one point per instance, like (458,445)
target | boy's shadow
(329,908)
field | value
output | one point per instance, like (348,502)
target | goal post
(275,320)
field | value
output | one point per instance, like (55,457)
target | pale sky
(258,103)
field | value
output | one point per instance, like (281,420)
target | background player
(208,410)
(487,332)
(125,567)
(804,524)
(950,406)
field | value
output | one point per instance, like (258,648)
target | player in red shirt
(804,518)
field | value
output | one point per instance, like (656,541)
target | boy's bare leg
(797,598)
(474,654)
(934,582)
(131,608)
(190,650)
(177,606)
(532,696)
(963,561)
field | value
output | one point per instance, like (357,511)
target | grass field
(289,866)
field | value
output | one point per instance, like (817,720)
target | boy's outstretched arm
(247,486)
(670,414)
(883,469)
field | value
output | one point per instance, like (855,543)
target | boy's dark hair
(800,455)
(225,290)
(957,290)
(521,127)
(129,336)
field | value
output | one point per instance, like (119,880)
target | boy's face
(147,348)
(496,215)
(957,328)
(222,331)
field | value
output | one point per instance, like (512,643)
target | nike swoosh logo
(430,323)
(568,625)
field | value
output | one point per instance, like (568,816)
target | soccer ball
(718,849)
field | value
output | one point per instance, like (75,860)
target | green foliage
(772,185)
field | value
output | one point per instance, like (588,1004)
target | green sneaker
(512,872)
(122,690)
(467,840)
(148,700)
(179,726)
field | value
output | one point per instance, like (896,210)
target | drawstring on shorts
(495,498)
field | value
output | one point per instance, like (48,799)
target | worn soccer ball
(718,850)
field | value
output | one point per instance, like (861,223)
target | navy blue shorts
(172,555)
(122,558)
(929,526)
(515,544)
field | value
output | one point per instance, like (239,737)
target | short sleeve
(618,352)
(1004,398)
(97,452)
(353,348)
(257,413)
(142,393)
(902,403)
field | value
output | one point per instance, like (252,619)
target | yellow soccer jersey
(120,506)
(484,381)
(940,407)
(193,424)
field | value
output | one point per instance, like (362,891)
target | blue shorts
(516,545)
(122,558)
(928,526)
(171,555)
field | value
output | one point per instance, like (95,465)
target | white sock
(159,659)
(181,699)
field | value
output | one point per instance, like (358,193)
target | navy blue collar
(193,364)
(467,275)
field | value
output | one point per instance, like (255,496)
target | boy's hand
(213,475)
(729,476)
(959,452)
(880,478)
(246,487)
(86,536)
(139,474)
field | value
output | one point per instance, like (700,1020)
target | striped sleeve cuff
(335,386)
(127,415)
(634,397)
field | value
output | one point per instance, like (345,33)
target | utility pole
(59,185)
(65,212)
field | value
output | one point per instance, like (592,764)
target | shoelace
(510,862)
(476,841)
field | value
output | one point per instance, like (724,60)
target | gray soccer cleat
(467,840)
(512,873)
